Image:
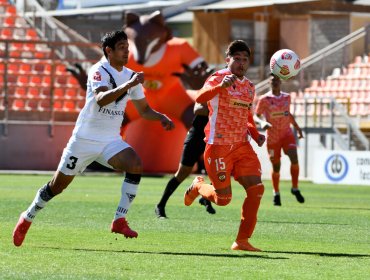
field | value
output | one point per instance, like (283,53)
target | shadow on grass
(303,223)
(255,255)
(322,254)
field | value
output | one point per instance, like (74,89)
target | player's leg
(274,151)
(181,174)
(76,156)
(122,157)
(247,172)
(192,148)
(219,169)
(290,149)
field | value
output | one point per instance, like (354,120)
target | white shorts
(79,153)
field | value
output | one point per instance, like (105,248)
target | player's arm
(296,126)
(201,109)
(256,136)
(258,118)
(148,113)
(207,93)
(104,96)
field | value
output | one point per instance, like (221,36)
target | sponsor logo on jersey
(277,114)
(237,103)
(97,76)
(110,112)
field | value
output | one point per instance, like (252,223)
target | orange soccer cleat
(20,230)
(121,226)
(192,192)
(244,246)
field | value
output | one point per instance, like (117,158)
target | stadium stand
(28,67)
(349,86)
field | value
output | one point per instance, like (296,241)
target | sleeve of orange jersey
(207,93)
(252,127)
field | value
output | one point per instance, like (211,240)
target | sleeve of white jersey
(97,77)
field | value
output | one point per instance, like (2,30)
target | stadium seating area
(349,86)
(34,79)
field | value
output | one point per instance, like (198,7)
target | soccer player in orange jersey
(275,106)
(229,95)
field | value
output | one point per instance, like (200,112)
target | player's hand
(228,81)
(137,78)
(300,134)
(265,125)
(261,140)
(167,123)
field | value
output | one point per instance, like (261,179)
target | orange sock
(275,177)
(249,212)
(208,192)
(294,171)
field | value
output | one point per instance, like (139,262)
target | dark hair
(237,46)
(111,38)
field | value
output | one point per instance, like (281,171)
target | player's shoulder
(218,75)
(267,95)
(248,82)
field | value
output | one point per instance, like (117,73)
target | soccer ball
(285,64)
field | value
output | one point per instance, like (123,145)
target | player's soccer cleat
(121,226)
(298,195)
(244,246)
(160,212)
(20,230)
(276,200)
(192,192)
(208,205)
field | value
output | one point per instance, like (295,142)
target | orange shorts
(222,161)
(285,144)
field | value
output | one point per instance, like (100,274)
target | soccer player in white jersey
(96,136)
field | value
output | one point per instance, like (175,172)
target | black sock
(168,191)
(45,193)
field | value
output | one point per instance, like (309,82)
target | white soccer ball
(285,64)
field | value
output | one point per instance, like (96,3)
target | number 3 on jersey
(72,165)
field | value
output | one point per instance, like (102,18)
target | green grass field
(325,238)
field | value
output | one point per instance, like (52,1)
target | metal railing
(322,55)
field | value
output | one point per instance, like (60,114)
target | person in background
(229,96)
(193,150)
(96,135)
(274,107)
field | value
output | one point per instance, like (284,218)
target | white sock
(37,204)
(128,193)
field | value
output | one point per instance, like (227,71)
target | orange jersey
(276,110)
(229,110)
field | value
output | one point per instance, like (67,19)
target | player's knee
(223,199)
(135,165)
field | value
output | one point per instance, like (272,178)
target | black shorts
(194,144)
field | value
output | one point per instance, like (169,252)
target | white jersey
(103,123)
